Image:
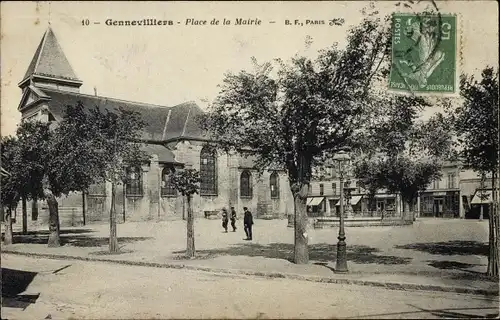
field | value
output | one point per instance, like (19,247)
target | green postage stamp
(424,54)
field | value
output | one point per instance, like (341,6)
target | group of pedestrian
(247,221)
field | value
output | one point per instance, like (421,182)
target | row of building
(174,139)
(459,193)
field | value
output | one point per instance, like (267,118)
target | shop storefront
(316,206)
(480,204)
(445,204)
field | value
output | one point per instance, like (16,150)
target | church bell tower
(50,68)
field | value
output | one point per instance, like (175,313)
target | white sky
(168,65)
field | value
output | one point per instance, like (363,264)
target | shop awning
(314,201)
(354,200)
(482,197)
(385,196)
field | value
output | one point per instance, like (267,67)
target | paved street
(65,289)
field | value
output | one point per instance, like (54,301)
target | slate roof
(50,60)
(38,92)
(163,153)
(162,122)
(183,121)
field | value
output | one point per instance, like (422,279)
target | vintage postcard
(249,160)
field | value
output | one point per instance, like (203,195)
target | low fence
(68,216)
(367,218)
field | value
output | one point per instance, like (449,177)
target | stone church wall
(152,206)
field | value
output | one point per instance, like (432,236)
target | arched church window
(208,171)
(274,184)
(134,181)
(167,189)
(246,184)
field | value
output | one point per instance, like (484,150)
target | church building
(173,139)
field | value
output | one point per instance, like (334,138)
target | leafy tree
(87,146)
(312,107)
(12,180)
(36,154)
(74,156)
(187,182)
(109,144)
(401,175)
(72,164)
(476,124)
(399,153)
(54,163)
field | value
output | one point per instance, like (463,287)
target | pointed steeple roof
(50,61)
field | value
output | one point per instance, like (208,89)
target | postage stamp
(424,53)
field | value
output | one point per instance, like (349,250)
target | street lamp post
(341,264)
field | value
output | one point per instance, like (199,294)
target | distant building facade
(459,193)
(441,199)
(173,139)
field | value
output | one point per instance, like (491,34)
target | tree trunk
(124,200)
(34,210)
(84,206)
(183,208)
(301,252)
(25,216)
(496,232)
(54,238)
(113,240)
(492,270)
(190,250)
(404,208)
(8,239)
(492,260)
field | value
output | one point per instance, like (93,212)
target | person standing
(224,219)
(233,219)
(248,223)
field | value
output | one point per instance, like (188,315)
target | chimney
(95,91)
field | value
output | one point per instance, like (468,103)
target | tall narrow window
(167,189)
(334,188)
(451,180)
(274,184)
(321,189)
(208,172)
(436,184)
(134,181)
(246,184)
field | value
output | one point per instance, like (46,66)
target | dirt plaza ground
(448,252)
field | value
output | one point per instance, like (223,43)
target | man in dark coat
(233,219)
(224,219)
(248,222)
